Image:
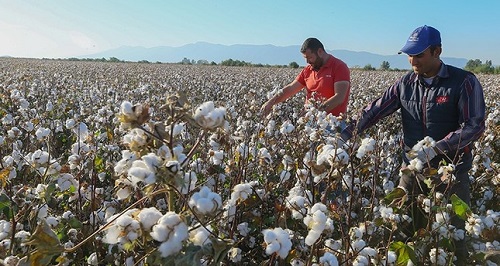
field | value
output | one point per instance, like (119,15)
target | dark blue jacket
(451,110)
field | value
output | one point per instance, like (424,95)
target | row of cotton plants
(159,164)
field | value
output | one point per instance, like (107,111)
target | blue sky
(66,28)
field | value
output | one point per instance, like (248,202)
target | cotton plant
(171,230)
(209,117)
(241,192)
(144,170)
(328,259)
(132,115)
(286,128)
(40,160)
(200,235)
(277,242)
(42,133)
(205,202)
(125,229)
(316,221)
(298,201)
(438,256)
(367,146)
(329,154)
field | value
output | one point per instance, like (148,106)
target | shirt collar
(442,73)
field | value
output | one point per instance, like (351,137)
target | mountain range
(255,54)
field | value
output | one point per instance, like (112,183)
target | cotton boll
(148,217)
(127,108)
(70,123)
(269,235)
(241,192)
(243,229)
(272,247)
(277,241)
(200,235)
(124,221)
(235,254)
(329,259)
(358,244)
(42,133)
(367,145)
(123,193)
(169,248)
(311,237)
(81,131)
(93,259)
(204,205)
(334,245)
(204,108)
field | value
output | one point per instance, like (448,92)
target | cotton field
(160,164)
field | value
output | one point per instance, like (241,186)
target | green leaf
(49,192)
(5,206)
(460,208)
(397,193)
(75,223)
(220,248)
(404,253)
(191,257)
(99,163)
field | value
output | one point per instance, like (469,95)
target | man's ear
(437,51)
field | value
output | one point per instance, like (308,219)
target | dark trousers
(460,187)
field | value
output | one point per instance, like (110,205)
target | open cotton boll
(140,173)
(205,201)
(124,221)
(151,161)
(70,123)
(329,154)
(269,235)
(42,133)
(123,193)
(241,192)
(40,157)
(277,241)
(329,259)
(126,108)
(200,235)
(81,131)
(148,217)
(204,108)
(367,145)
(311,237)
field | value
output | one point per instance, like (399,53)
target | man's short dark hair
(313,44)
(433,48)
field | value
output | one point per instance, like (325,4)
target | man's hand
(266,108)
(426,154)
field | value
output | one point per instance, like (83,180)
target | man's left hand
(426,154)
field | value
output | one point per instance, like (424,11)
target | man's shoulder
(453,72)
(336,61)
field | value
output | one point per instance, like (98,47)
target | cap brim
(412,49)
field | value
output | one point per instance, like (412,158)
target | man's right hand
(267,107)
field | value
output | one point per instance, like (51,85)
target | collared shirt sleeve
(472,117)
(387,104)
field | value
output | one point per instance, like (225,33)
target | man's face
(426,63)
(313,59)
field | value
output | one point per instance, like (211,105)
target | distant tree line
(384,66)
(111,60)
(231,62)
(477,66)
